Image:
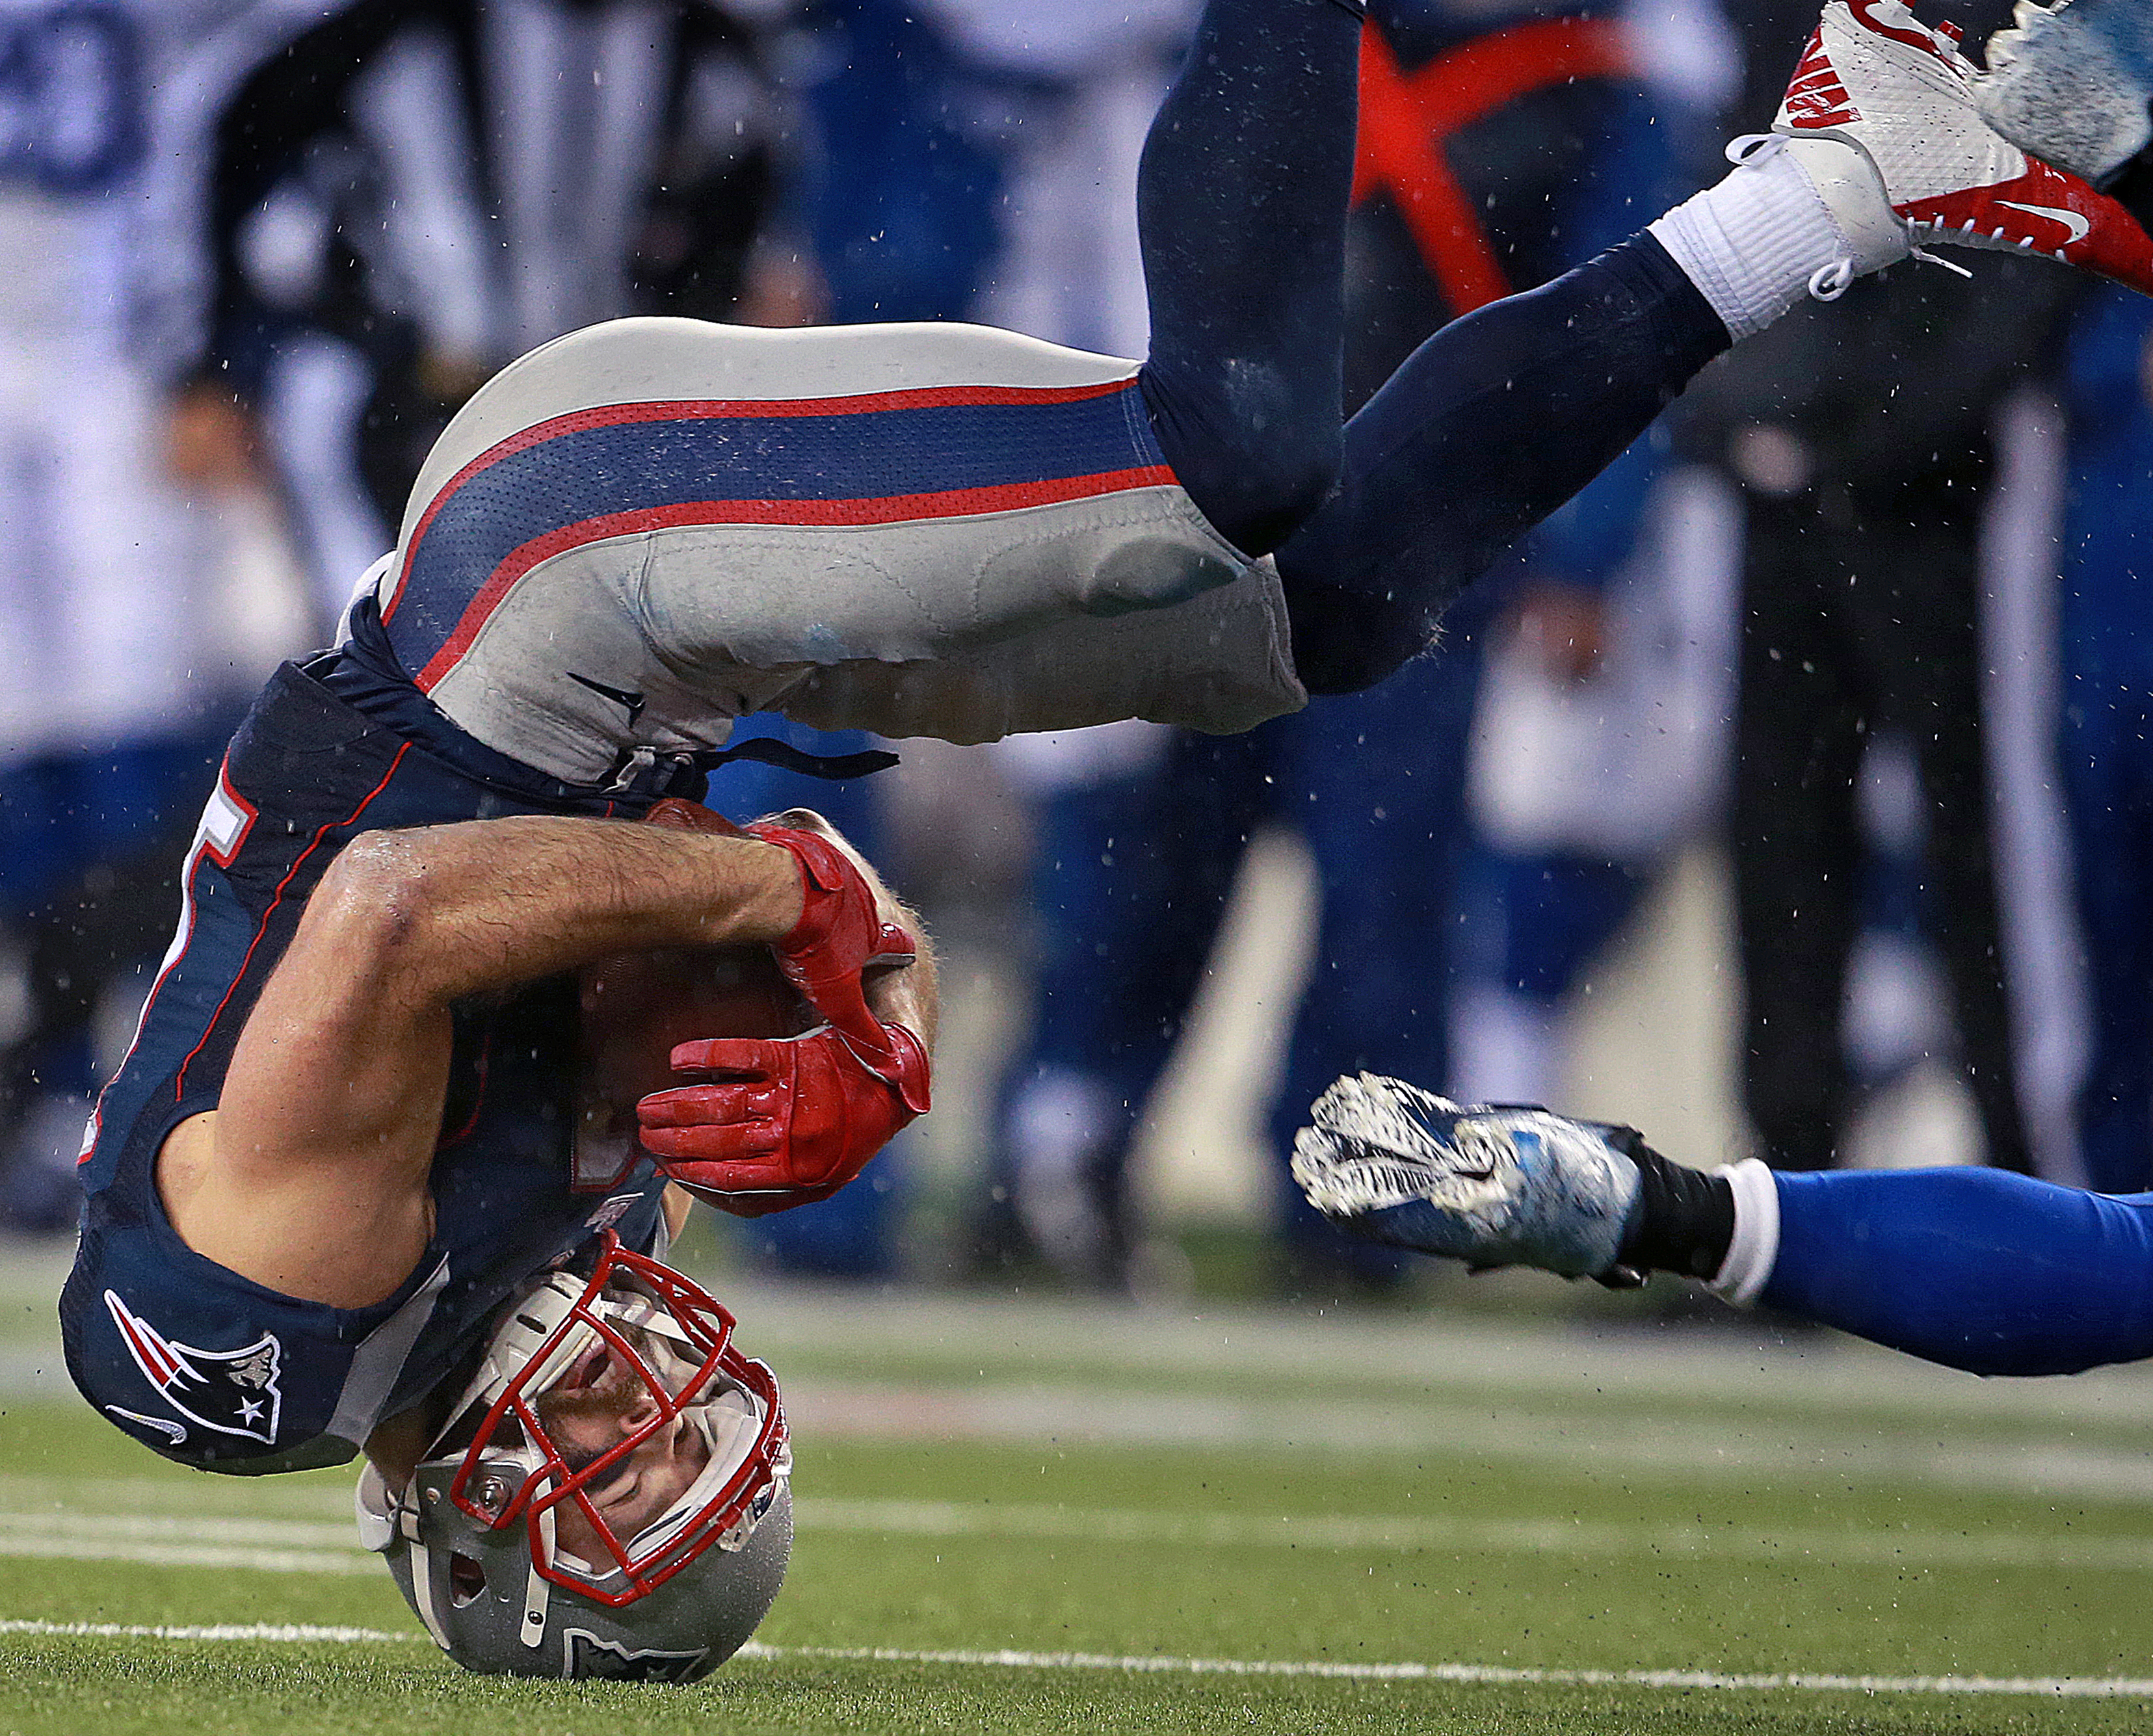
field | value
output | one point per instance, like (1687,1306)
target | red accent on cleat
(1876,77)
(2043,211)
(1815,97)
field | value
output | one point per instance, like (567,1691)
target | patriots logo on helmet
(588,1658)
(233,1392)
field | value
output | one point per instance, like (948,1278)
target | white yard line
(1613,1439)
(278,1545)
(274,1633)
(187,1555)
(2075,1688)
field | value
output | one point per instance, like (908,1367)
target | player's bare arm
(310,1176)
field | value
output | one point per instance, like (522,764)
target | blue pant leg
(903,212)
(1977,1269)
(1241,212)
(1133,880)
(1486,428)
(2106,650)
(62,811)
(1530,922)
(1130,882)
(77,820)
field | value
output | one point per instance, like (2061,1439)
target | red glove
(789,1120)
(840,932)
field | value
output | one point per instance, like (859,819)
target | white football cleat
(1503,1185)
(2074,84)
(1877,78)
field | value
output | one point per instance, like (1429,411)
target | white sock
(1756,1242)
(1753,243)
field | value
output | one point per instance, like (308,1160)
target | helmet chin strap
(538,1594)
(401,1519)
(422,1587)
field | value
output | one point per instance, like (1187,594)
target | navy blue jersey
(203,1365)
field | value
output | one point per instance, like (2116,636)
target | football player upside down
(391,1166)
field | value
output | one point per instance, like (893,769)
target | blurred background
(1789,794)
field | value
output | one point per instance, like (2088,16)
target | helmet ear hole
(466,1580)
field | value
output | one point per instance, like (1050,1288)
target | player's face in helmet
(609,1497)
(601,1402)
(598,1409)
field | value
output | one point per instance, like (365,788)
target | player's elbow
(373,911)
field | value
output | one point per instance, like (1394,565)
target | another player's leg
(1241,205)
(1975,1269)
(1802,722)
(1503,415)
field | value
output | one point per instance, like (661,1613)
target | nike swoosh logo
(618,695)
(173,1429)
(2080,228)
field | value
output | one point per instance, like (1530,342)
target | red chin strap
(707,1327)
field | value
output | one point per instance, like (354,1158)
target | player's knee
(1257,461)
(1259,495)
(1346,641)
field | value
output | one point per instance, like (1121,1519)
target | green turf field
(1040,1517)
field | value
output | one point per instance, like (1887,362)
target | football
(637,1007)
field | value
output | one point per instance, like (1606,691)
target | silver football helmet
(611,1496)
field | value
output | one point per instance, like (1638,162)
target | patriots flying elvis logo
(233,1392)
(589,1657)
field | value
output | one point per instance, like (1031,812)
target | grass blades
(1044,1518)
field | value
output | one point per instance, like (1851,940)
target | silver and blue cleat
(1489,1185)
(2073,83)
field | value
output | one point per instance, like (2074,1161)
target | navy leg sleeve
(1487,428)
(1241,209)
(2107,751)
(1975,1268)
